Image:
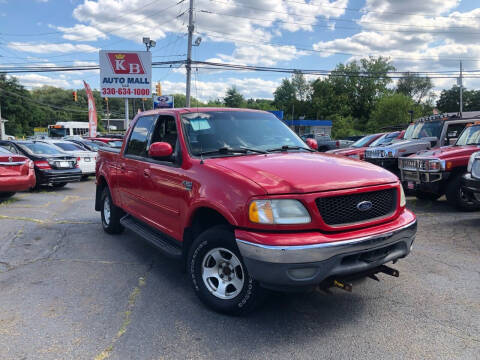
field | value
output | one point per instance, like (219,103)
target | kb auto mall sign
(125,74)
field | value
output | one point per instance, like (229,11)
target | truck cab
(425,133)
(433,173)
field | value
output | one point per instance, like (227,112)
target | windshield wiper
(227,150)
(288,147)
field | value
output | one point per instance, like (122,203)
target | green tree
(342,126)
(393,110)
(233,98)
(449,100)
(284,97)
(360,84)
(414,86)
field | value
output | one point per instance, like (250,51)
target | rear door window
(137,144)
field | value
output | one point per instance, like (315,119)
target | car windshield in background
(424,129)
(214,130)
(384,139)
(4,151)
(69,146)
(39,148)
(115,144)
(470,136)
(363,141)
(92,145)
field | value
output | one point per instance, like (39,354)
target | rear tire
(426,195)
(6,195)
(457,198)
(219,276)
(110,214)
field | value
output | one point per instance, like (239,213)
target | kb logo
(126,63)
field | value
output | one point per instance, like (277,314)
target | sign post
(125,74)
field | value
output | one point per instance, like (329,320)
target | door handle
(146,172)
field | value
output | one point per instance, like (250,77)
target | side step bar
(155,237)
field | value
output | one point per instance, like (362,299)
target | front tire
(110,214)
(457,198)
(219,277)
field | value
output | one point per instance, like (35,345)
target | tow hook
(388,270)
(342,285)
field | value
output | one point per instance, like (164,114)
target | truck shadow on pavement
(290,315)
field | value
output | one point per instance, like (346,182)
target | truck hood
(289,173)
(402,144)
(347,151)
(447,152)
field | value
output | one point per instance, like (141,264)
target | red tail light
(78,159)
(42,164)
(337,144)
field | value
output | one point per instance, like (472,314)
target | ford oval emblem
(364,205)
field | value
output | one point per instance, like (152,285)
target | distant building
(310,126)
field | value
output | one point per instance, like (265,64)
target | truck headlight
(282,211)
(474,165)
(436,165)
(389,153)
(403,200)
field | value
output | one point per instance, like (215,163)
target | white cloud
(81,32)
(37,80)
(45,48)
(208,90)
(416,35)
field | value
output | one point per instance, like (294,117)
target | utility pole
(191,27)
(461,89)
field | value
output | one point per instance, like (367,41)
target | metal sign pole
(126,114)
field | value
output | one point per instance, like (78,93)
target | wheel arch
(201,219)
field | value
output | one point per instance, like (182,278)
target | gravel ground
(70,291)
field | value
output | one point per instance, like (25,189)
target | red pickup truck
(244,202)
(432,173)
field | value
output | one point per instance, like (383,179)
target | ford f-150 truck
(426,133)
(241,199)
(432,173)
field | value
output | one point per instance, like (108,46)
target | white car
(86,160)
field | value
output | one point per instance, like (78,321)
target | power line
(305,48)
(326,26)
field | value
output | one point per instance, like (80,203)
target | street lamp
(149,43)
(411,115)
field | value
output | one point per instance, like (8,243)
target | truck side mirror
(312,143)
(160,149)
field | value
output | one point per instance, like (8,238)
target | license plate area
(63,164)
(87,159)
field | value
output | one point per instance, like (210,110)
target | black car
(52,167)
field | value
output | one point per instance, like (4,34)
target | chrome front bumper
(324,251)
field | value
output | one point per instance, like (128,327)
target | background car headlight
(403,200)
(284,211)
(389,153)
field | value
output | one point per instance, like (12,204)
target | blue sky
(314,34)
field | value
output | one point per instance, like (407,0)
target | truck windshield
(213,130)
(424,129)
(385,139)
(363,141)
(469,136)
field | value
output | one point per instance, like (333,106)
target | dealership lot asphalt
(70,291)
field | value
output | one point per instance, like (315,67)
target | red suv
(241,199)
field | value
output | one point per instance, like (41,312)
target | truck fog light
(302,273)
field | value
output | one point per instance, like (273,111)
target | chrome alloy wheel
(106,210)
(222,273)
